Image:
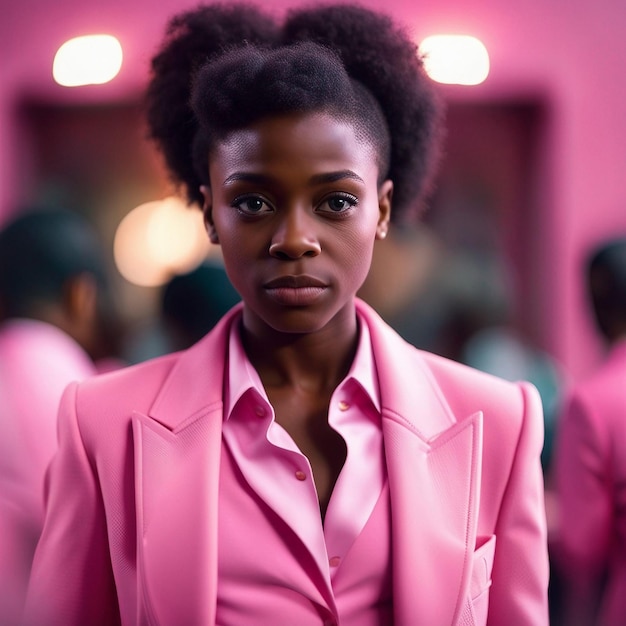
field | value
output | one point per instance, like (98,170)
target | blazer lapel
(433,464)
(177,458)
(434,470)
(433,491)
(176,486)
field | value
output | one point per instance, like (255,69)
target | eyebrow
(317,179)
(333,177)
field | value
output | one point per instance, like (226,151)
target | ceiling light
(455,59)
(87,60)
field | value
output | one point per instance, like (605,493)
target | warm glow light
(455,59)
(88,60)
(159,239)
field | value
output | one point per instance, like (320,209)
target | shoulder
(512,411)
(599,400)
(135,385)
(609,377)
(464,389)
(100,409)
(513,427)
(37,362)
(40,347)
(469,387)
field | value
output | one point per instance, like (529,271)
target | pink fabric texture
(260,456)
(133,511)
(37,362)
(590,468)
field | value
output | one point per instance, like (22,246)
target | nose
(295,236)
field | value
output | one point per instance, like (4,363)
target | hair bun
(193,38)
(383,57)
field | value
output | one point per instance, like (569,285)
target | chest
(305,417)
(341,570)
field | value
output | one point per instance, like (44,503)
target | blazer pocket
(482,566)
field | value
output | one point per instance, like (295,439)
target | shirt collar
(242,377)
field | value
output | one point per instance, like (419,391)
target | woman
(301,464)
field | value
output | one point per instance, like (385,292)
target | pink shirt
(278,564)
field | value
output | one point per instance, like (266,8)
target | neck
(315,362)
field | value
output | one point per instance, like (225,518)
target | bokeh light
(455,59)
(87,60)
(159,239)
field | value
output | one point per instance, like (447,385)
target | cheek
(357,250)
(239,255)
(236,263)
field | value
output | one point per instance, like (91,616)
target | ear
(207,211)
(80,294)
(385,193)
(79,317)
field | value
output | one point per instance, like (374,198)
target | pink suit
(590,468)
(37,362)
(132,519)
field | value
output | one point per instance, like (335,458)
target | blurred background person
(55,322)
(590,461)
(189,305)
(194,302)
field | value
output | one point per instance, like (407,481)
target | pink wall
(570,55)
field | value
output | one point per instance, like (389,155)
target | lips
(300,281)
(299,290)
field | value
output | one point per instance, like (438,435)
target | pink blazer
(37,362)
(590,470)
(130,535)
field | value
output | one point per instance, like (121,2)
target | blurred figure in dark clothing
(193,303)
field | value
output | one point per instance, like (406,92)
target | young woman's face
(295,204)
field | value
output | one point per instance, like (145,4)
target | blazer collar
(200,372)
(399,370)
(434,462)
(405,380)
(177,447)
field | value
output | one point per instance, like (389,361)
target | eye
(339,203)
(251,205)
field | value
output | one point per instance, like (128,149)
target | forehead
(314,141)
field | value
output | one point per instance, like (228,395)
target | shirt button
(259,410)
(343,406)
(334,561)
(300,475)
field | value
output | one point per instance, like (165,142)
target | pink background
(568,57)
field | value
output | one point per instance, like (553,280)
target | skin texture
(296,206)
(269,206)
(142,448)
